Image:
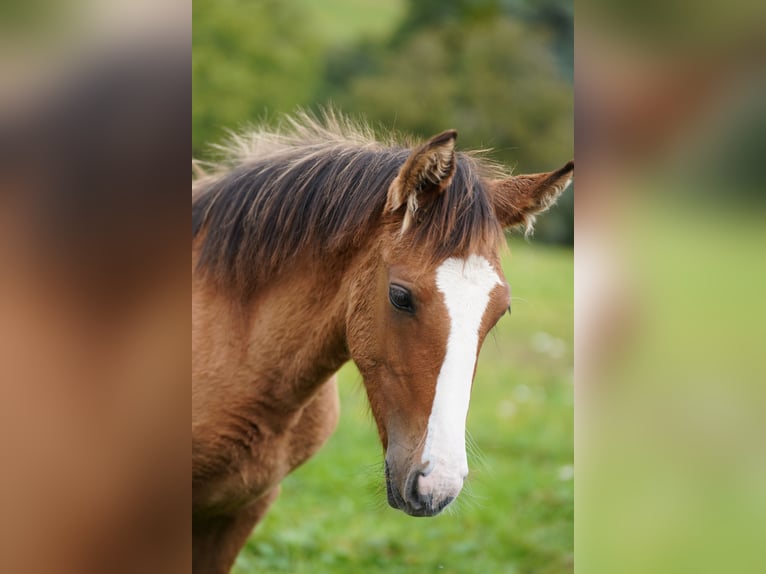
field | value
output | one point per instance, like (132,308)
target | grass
(515,514)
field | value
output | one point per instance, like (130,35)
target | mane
(319,187)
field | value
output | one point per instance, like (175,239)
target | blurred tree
(433,14)
(498,84)
(249,59)
(557,16)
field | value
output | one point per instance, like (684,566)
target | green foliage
(516,512)
(249,59)
(495,81)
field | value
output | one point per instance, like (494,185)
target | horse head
(428,292)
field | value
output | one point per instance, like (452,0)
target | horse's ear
(427,172)
(519,198)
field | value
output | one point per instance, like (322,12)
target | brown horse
(320,245)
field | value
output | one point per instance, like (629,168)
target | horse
(316,244)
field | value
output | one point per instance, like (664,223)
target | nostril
(415,499)
(414,487)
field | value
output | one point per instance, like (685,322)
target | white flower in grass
(566,472)
(506,409)
(547,344)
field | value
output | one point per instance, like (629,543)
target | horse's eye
(400,298)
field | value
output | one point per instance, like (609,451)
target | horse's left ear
(519,198)
(427,172)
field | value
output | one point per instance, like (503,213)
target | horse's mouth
(413,503)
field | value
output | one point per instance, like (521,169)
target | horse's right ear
(427,172)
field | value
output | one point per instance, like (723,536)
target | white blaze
(465,285)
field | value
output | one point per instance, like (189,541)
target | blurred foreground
(94,298)
(670,279)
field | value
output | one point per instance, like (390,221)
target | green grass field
(515,514)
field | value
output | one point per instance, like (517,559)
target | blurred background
(501,73)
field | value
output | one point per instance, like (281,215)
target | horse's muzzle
(410,500)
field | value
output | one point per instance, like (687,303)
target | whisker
(476,457)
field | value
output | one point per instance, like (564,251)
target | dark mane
(320,188)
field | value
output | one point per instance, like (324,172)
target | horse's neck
(297,335)
(278,350)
